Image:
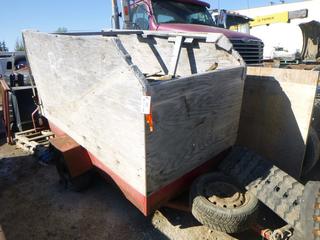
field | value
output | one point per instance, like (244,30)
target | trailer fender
(75,156)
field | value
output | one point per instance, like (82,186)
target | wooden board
(29,140)
(195,119)
(194,58)
(91,93)
(276,114)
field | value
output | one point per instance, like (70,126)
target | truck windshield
(170,11)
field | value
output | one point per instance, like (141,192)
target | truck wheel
(315,123)
(78,183)
(312,152)
(220,204)
(310,211)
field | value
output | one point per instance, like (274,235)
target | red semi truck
(185,16)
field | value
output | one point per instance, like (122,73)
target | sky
(85,15)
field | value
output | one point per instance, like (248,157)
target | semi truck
(185,16)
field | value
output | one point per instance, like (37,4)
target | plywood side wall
(89,91)
(195,119)
(276,114)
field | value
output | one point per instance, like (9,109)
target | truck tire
(310,211)
(217,202)
(78,183)
(275,188)
(312,152)
(315,123)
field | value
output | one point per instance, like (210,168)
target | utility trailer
(151,109)
(155,110)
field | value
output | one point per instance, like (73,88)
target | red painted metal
(146,204)
(6,109)
(57,132)
(265,233)
(75,156)
(196,2)
(182,27)
(135,197)
(156,199)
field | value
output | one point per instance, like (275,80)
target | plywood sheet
(90,92)
(195,119)
(276,114)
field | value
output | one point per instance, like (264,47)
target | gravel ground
(33,205)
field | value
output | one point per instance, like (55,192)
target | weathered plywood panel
(89,91)
(276,114)
(195,119)
(154,55)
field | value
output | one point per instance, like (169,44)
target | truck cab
(188,16)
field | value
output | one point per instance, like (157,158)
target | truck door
(140,17)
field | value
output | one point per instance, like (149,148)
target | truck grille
(251,51)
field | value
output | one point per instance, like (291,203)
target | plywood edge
(286,75)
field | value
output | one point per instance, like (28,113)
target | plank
(31,131)
(96,98)
(176,55)
(194,58)
(27,141)
(195,118)
(276,114)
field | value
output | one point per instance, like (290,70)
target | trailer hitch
(284,233)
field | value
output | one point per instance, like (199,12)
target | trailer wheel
(220,204)
(312,152)
(78,183)
(310,211)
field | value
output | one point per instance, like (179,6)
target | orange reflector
(149,120)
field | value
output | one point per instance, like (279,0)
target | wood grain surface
(276,114)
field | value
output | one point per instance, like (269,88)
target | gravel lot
(33,205)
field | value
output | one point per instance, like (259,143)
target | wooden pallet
(30,139)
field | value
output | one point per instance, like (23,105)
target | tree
(3,47)
(19,45)
(61,30)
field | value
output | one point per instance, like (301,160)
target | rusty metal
(283,233)
(4,88)
(77,158)
(224,195)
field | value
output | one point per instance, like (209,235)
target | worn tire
(315,123)
(312,152)
(229,220)
(78,183)
(310,212)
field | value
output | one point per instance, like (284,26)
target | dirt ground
(33,205)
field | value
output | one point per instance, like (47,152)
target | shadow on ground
(33,205)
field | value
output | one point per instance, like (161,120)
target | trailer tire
(76,184)
(310,211)
(312,152)
(232,210)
